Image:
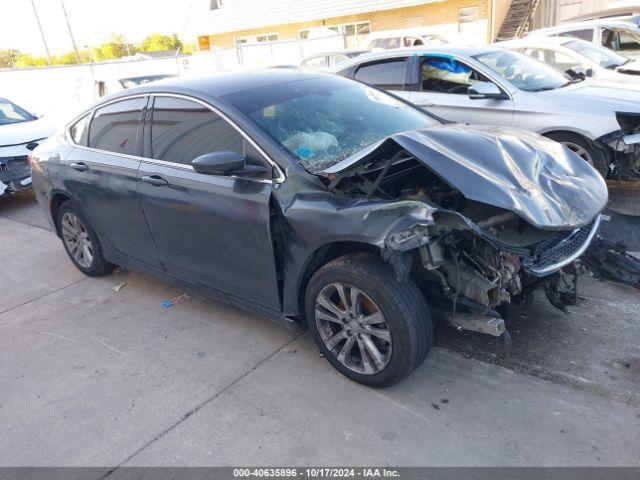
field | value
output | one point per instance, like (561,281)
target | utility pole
(73,40)
(44,40)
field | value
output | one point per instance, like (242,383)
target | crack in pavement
(26,302)
(200,406)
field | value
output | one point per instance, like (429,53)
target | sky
(92,21)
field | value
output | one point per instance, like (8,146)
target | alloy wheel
(77,240)
(353,328)
(580,151)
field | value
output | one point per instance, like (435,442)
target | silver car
(493,86)
(572,55)
(621,36)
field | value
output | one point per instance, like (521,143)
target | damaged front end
(503,212)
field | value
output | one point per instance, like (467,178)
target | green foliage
(115,47)
(157,42)
(8,57)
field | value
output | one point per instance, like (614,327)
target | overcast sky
(91,20)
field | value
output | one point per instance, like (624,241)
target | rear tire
(584,149)
(80,241)
(383,327)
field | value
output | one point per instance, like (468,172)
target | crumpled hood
(24,132)
(537,178)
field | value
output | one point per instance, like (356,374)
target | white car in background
(20,132)
(575,57)
(390,41)
(622,37)
(494,86)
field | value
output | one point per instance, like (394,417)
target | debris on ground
(119,287)
(174,301)
(611,261)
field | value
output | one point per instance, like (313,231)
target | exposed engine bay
(468,256)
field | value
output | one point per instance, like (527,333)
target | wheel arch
(323,255)
(57,199)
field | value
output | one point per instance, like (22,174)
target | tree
(157,42)
(26,60)
(115,47)
(8,57)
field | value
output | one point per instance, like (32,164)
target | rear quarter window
(387,74)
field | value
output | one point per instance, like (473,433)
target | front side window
(80,130)
(620,39)
(602,56)
(12,113)
(447,75)
(388,74)
(182,130)
(322,121)
(114,128)
(523,72)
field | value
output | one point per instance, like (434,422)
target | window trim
(280,178)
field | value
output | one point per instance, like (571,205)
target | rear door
(101,175)
(443,85)
(210,229)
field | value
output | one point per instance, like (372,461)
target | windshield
(322,121)
(602,56)
(522,71)
(11,113)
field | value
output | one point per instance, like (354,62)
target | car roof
(536,40)
(217,85)
(346,53)
(417,51)
(603,22)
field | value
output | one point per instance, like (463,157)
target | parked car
(493,86)
(107,86)
(20,132)
(577,57)
(400,41)
(320,202)
(622,37)
(321,61)
(629,13)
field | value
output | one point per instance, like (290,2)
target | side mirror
(219,163)
(579,73)
(485,90)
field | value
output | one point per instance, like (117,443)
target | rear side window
(80,131)
(182,130)
(586,34)
(114,128)
(388,74)
(315,63)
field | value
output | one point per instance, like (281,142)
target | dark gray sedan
(318,201)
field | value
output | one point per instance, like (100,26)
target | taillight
(30,159)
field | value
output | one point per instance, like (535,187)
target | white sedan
(571,54)
(20,132)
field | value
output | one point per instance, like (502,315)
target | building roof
(237,15)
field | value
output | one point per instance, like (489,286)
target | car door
(443,84)
(211,229)
(101,175)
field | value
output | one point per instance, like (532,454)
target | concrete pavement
(96,377)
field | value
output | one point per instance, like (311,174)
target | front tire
(584,149)
(81,242)
(372,328)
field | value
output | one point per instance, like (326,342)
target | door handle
(154,180)
(80,166)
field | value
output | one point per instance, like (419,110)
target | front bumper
(15,174)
